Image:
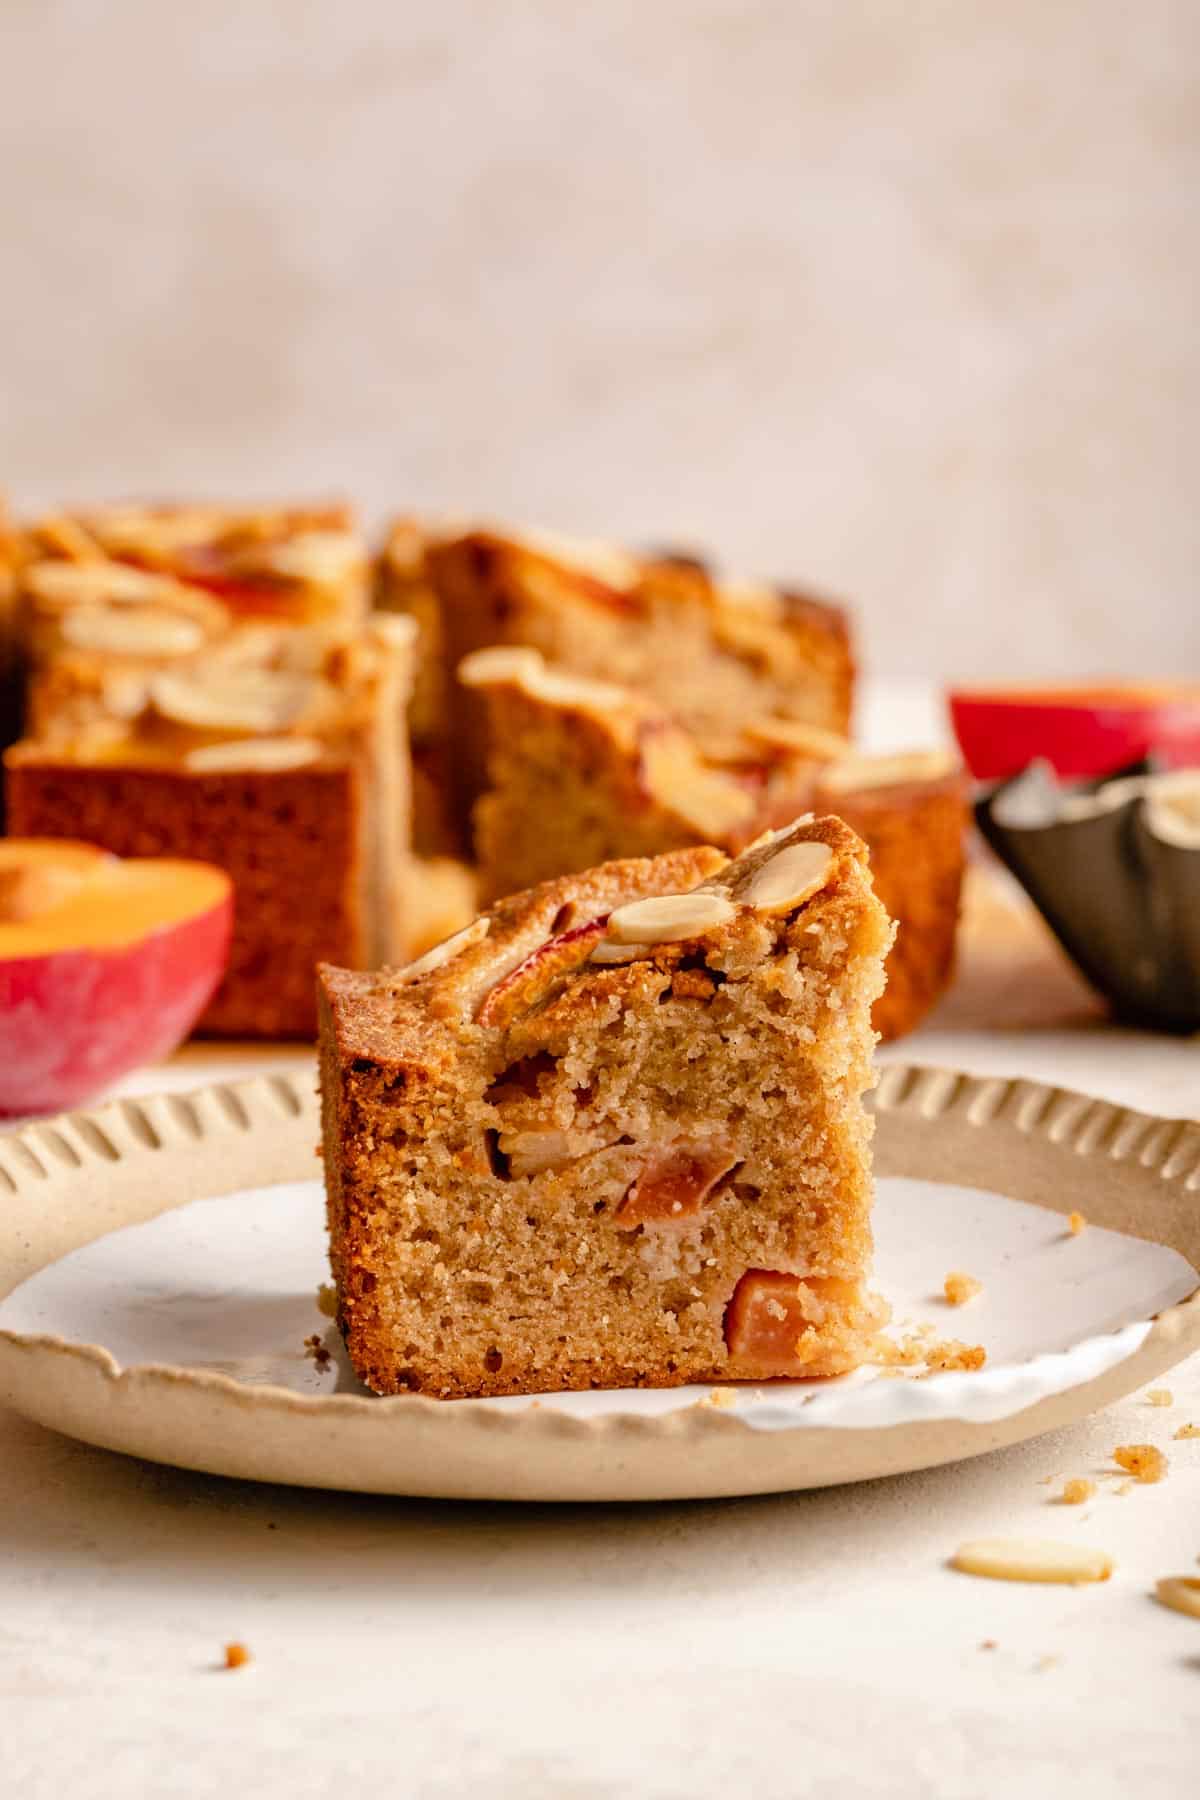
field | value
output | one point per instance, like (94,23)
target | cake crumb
(1188,1431)
(1159,1397)
(237,1656)
(327,1303)
(1046,1662)
(959,1288)
(1076,1491)
(1143,1461)
(722,1397)
(988,1644)
(314,1347)
(1076,1223)
(954,1355)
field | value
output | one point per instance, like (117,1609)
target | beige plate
(115,1232)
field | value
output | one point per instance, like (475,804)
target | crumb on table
(959,1288)
(1143,1461)
(1076,1491)
(236,1656)
(1076,1223)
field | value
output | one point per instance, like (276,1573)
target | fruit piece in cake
(104,965)
(1081,732)
(576,1146)
(581,772)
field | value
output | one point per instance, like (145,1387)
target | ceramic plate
(160,1260)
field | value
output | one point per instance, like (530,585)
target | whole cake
(613,1133)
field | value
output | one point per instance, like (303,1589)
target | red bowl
(1082,732)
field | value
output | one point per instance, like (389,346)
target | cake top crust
(580,939)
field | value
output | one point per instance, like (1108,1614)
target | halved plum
(105,964)
(1081,731)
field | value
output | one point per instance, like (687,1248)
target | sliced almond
(789,878)
(800,739)
(858,772)
(68,583)
(605,563)
(751,597)
(669,918)
(1032,1559)
(499,664)
(529,1152)
(233,699)
(450,947)
(394,631)
(558,688)
(131,631)
(270,755)
(320,556)
(620,953)
(1181,1593)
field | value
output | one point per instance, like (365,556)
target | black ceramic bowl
(1114,868)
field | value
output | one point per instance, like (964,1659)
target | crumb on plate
(959,1288)
(236,1656)
(1076,1223)
(327,1300)
(1188,1431)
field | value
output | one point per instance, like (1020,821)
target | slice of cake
(613,1133)
(292,776)
(714,651)
(580,772)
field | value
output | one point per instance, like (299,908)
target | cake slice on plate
(613,1133)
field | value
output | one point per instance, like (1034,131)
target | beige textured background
(900,297)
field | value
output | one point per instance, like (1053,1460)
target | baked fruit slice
(613,1133)
(580,772)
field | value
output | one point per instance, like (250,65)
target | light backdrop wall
(899,298)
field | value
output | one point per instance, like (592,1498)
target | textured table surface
(803,1644)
